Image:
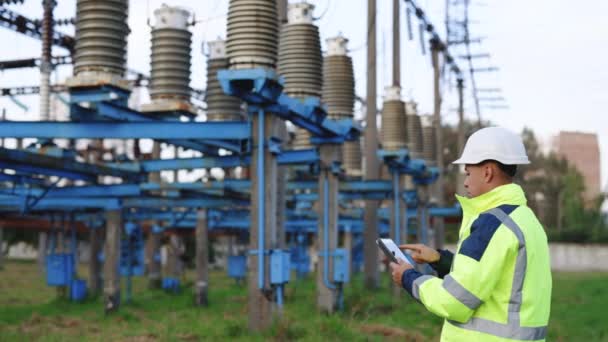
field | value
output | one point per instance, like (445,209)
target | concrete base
(200,294)
(169,105)
(96,79)
(111,302)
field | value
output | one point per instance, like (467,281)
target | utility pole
(45,96)
(370,233)
(398,223)
(396,45)
(45,62)
(436,48)
(460,86)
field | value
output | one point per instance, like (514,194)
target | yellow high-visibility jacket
(497,287)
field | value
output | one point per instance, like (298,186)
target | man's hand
(398,269)
(421,253)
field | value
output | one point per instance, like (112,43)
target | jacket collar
(505,194)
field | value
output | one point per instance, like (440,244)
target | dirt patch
(188,337)
(391,332)
(141,338)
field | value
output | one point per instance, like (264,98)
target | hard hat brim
(470,161)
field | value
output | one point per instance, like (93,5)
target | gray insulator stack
(220,107)
(101,36)
(339,96)
(300,60)
(253,34)
(428,140)
(394,129)
(338,80)
(414,130)
(170,57)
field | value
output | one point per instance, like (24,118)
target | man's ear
(488,173)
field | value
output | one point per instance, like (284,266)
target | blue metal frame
(127,130)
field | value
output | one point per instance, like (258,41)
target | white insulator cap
(171,17)
(426,120)
(217,49)
(392,93)
(300,13)
(337,46)
(411,108)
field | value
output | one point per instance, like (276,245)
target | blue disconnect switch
(59,269)
(279,266)
(78,290)
(237,266)
(341,272)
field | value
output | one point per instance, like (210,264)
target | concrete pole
(201,287)
(328,219)
(42,248)
(263,222)
(45,63)
(281,187)
(401,218)
(94,264)
(1,247)
(280,129)
(422,228)
(348,246)
(370,233)
(94,156)
(176,172)
(396,45)
(176,250)
(154,236)
(154,263)
(436,48)
(111,276)
(460,86)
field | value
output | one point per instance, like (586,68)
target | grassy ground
(29,310)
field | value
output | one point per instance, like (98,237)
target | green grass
(29,310)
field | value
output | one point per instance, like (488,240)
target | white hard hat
(494,143)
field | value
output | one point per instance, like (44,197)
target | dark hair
(509,170)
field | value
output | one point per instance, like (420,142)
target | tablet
(392,251)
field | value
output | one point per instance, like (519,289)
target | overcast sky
(551,55)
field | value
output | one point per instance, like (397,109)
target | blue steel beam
(67,204)
(21,179)
(78,203)
(180,203)
(126,130)
(192,163)
(114,190)
(288,157)
(36,163)
(108,110)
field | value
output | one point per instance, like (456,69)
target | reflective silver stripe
(520,265)
(461,293)
(417,283)
(512,331)
(513,328)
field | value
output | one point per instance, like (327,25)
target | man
(497,287)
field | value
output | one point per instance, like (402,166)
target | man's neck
(497,184)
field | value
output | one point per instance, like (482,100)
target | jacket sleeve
(443,265)
(483,256)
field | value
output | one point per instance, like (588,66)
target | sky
(550,55)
